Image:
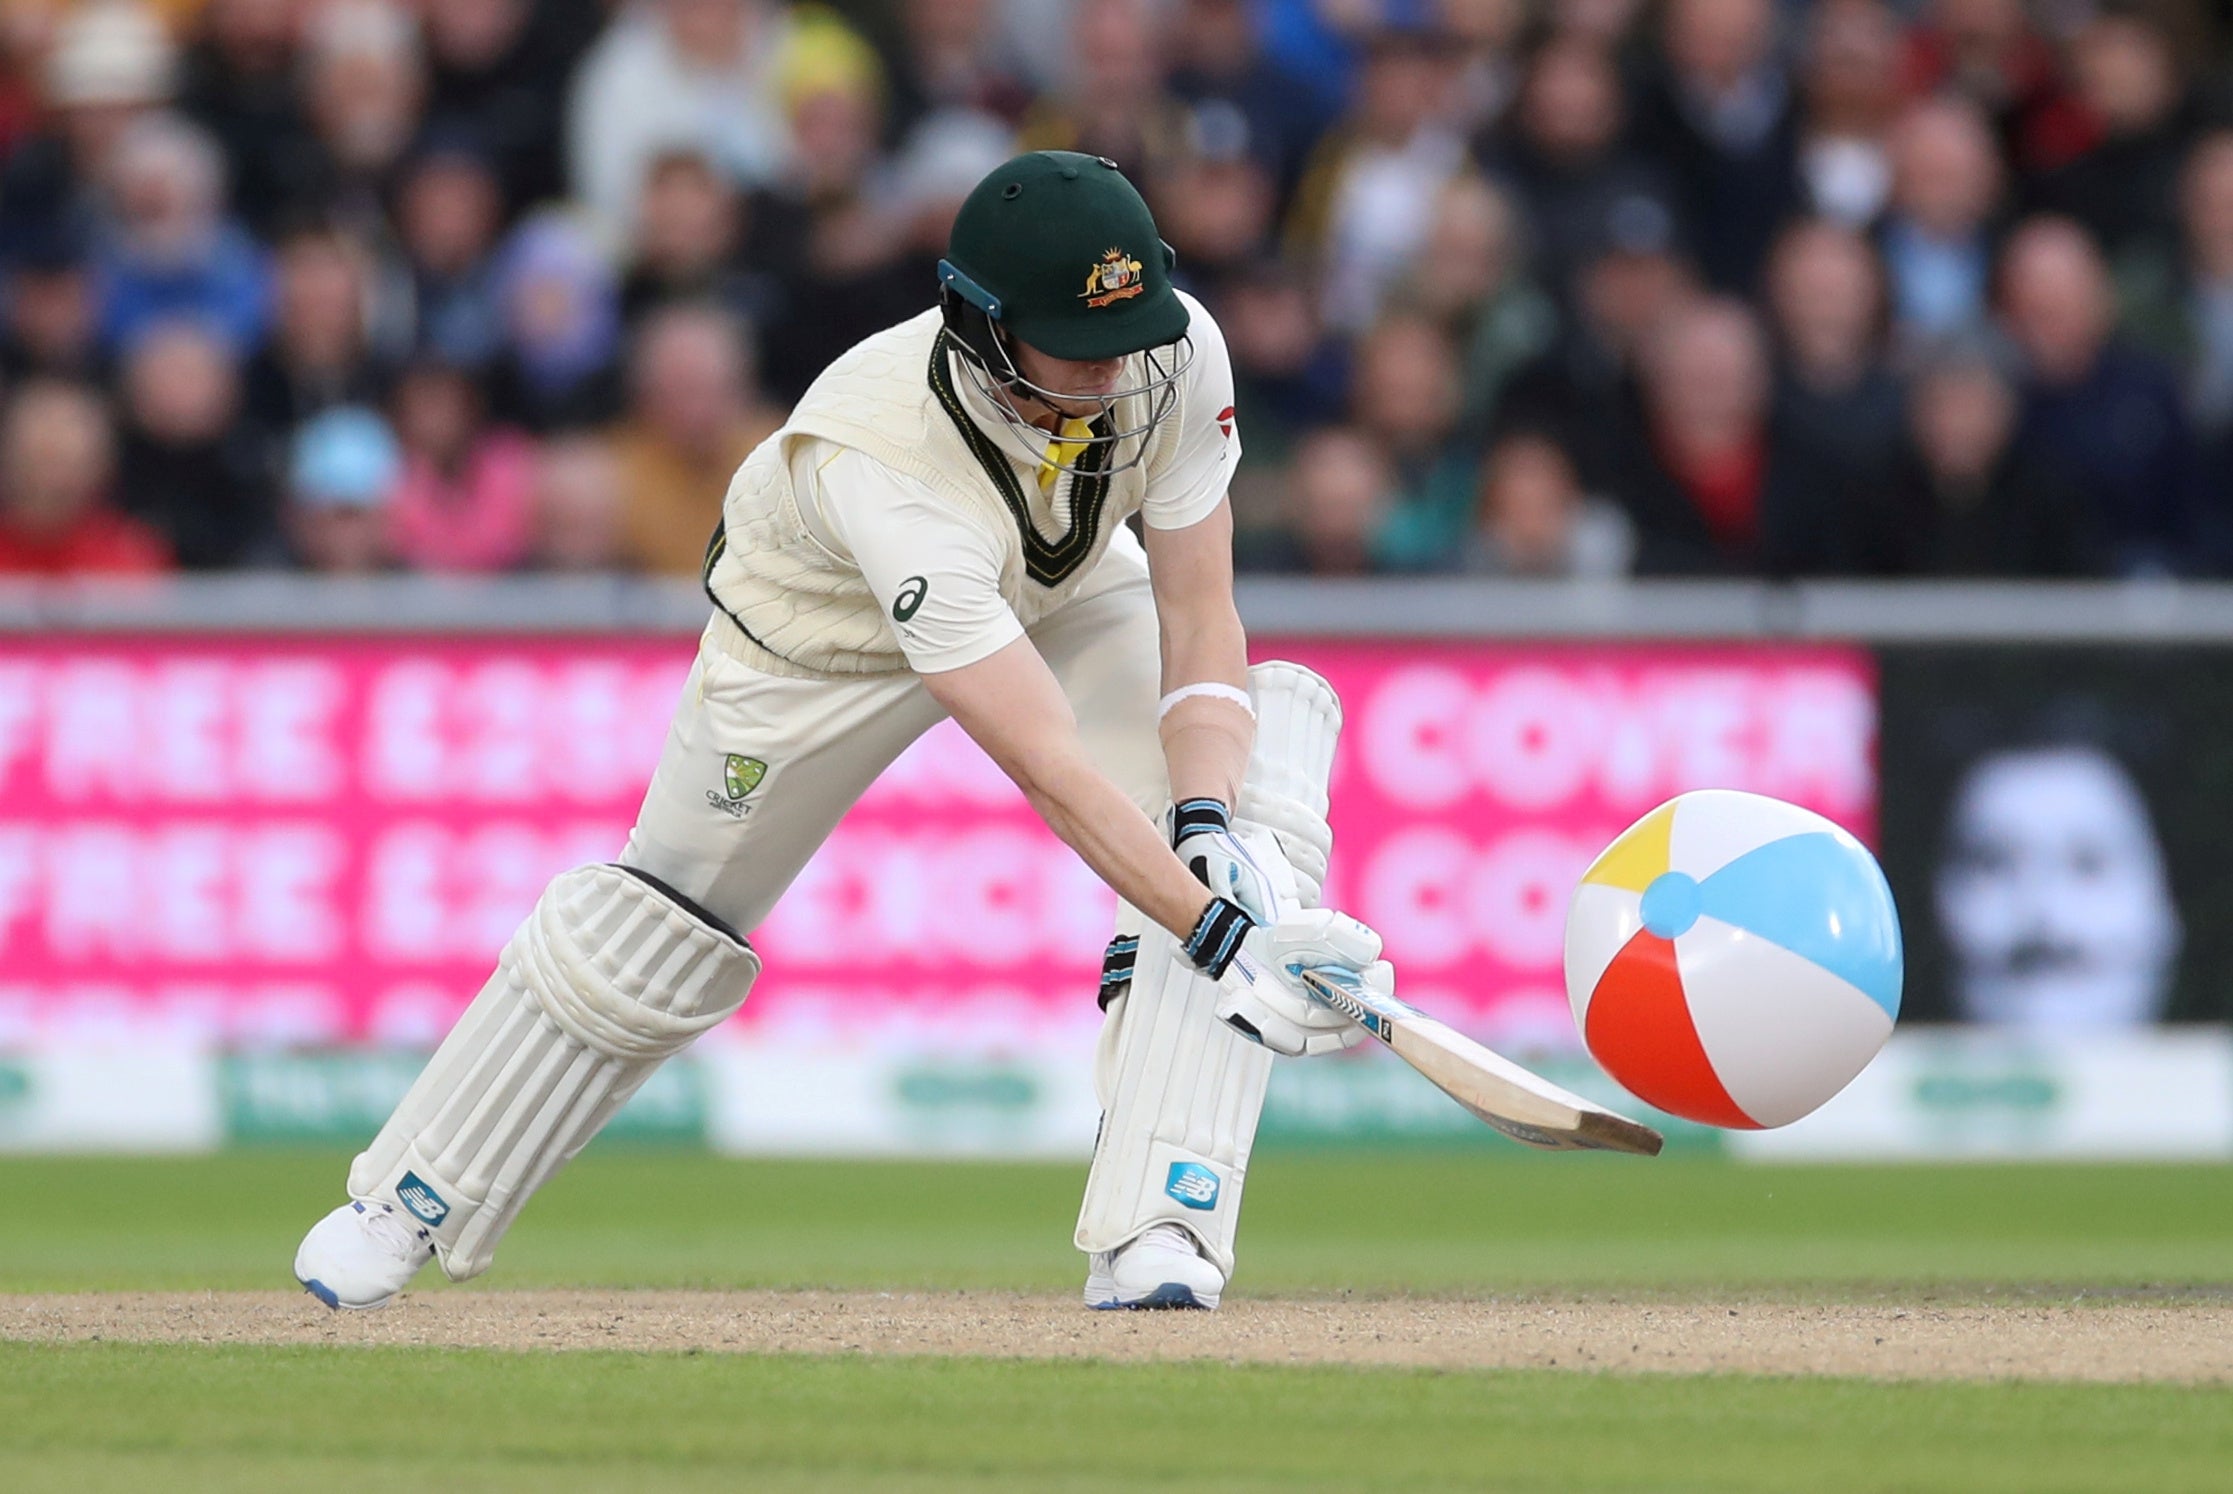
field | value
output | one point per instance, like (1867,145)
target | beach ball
(1734,959)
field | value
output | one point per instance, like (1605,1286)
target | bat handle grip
(1375,1012)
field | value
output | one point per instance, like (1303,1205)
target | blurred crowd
(1512,287)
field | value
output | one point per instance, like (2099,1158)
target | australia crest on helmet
(1114,277)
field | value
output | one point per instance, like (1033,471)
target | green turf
(96,1417)
(1459,1223)
(108,1416)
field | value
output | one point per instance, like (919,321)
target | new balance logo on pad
(1193,1185)
(414,1194)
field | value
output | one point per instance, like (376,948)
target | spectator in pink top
(466,499)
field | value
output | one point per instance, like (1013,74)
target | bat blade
(1524,1106)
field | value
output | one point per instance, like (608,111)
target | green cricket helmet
(1056,249)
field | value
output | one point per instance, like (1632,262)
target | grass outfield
(90,1418)
(1460,1224)
(98,1416)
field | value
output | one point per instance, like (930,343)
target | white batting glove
(1203,835)
(1263,990)
(1259,968)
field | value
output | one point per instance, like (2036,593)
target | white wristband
(1208,690)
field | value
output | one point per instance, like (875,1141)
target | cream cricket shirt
(937,555)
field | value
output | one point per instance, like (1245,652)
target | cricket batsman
(940,530)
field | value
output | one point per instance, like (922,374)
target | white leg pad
(609,977)
(1180,1091)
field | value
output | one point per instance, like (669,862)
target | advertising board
(302,855)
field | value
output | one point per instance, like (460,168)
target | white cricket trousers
(825,741)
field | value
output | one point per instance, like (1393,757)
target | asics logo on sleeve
(910,598)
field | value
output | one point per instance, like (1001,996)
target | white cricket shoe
(1162,1268)
(361,1255)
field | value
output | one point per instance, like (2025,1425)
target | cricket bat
(1529,1109)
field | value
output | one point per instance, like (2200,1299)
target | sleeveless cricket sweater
(788,605)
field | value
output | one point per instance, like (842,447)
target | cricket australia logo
(1115,278)
(740,775)
(1193,1185)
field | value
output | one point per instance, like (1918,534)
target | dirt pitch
(2108,1342)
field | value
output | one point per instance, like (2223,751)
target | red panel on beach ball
(1639,1028)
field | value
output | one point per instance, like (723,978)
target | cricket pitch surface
(2188,1342)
